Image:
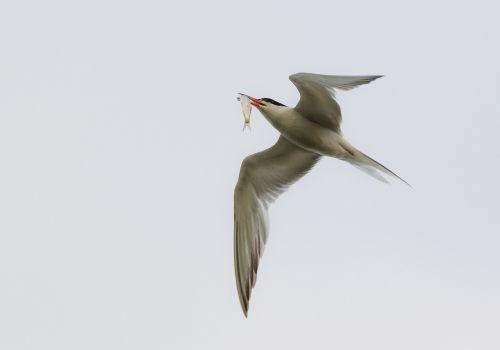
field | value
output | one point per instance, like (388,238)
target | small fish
(247,109)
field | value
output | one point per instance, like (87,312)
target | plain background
(120,145)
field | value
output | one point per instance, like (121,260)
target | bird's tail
(369,165)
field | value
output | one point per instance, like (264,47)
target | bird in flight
(308,131)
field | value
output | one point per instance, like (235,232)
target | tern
(308,131)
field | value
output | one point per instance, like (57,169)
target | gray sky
(120,145)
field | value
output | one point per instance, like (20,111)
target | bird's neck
(277,116)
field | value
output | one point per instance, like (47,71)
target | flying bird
(308,131)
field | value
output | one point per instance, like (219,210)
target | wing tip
(342,82)
(244,305)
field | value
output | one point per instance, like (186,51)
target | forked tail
(370,162)
(369,165)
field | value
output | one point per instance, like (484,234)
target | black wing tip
(244,301)
(244,306)
(370,78)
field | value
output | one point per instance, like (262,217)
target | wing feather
(263,177)
(317,96)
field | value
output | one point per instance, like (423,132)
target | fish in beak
(246,107)
(255,102)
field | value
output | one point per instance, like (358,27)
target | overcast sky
(121,141)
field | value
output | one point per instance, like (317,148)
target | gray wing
(263,177)
(317,96)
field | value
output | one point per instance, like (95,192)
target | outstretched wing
(263,177)
(317,96)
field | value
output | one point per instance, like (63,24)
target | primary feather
(263,177)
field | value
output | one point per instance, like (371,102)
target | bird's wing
(263,177)
(317,96)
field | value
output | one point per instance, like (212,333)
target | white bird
(308,131)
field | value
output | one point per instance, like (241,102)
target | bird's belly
(313,137)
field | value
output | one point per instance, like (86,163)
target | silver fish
(246,108)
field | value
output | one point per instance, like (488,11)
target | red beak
(254,101)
